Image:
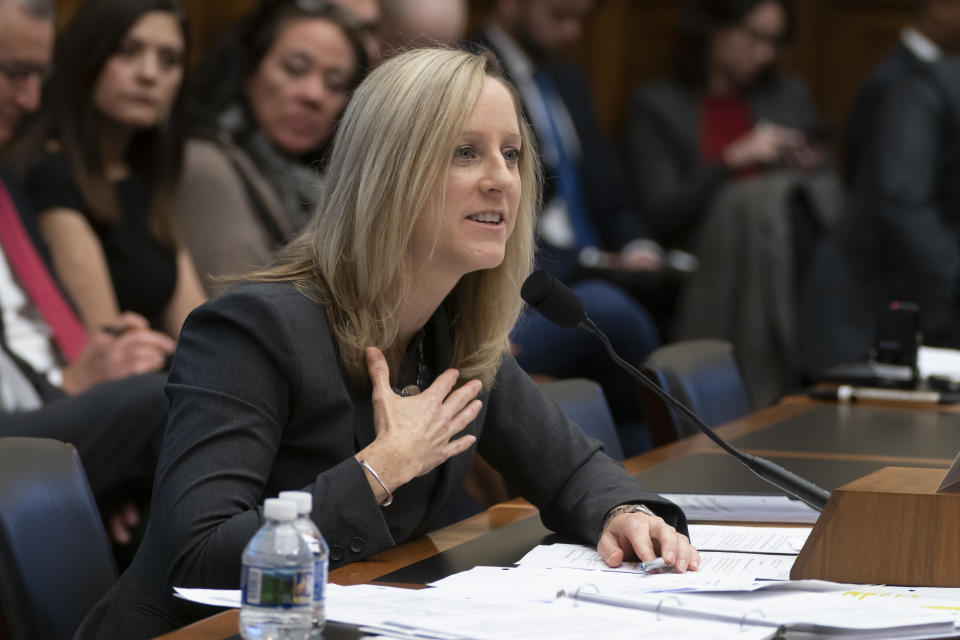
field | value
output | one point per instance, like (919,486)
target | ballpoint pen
(657,565)
(846,393)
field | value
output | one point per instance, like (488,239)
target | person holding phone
(724,114)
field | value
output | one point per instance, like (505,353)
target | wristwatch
(625,508)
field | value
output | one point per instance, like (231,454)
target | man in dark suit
(900,239)
(56,381)
(588,219)
(934,33)
(586,202)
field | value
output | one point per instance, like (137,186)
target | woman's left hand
(638,535)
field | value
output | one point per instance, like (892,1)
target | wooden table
(926,429)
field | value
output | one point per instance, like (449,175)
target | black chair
(703,375)
(55,559)
(583,402)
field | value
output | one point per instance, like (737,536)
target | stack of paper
(743,508)
(566,591)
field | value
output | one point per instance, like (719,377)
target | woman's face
(300,86)
(480,191)
(743,52)
(140,80)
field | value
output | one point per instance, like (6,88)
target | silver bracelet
(389,499)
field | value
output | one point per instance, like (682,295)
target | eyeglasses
(18,71)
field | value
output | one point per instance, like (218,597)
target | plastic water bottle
(321,553)
(277,579)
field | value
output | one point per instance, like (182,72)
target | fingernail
(670,556)
(682,565)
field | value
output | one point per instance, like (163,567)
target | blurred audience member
(56,381)
(934,33)
(727,165)
(901,238)
(586,202)
(367,15)
(408,24)
(26,44)
(587,208)
(724,113)
(101,162)
(267,100)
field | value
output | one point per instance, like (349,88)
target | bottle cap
(277,509)
(304,500)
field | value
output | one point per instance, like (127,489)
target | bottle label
(319,579)
(277,587)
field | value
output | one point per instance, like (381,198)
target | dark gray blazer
(259,403)
(900,239)
(861,135)
(672,183)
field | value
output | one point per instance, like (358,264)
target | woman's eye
(336,82)
(512,155)
(295,68)
(128,49)
(170,58)
(464,153)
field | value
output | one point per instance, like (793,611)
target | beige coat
(221,226)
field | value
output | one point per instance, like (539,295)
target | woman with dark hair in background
(726,165)
(265,104)
(724,113)
(102,159)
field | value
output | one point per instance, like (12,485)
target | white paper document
(214,597)
(800,615)
(542,584)
(749,566)
(555,602)
(935,361)
(743,508)
(563,591)
(780,540)
(430,613)
(942,599)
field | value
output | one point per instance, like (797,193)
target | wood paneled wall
(629,41)
(837,41)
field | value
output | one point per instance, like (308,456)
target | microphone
(557,303)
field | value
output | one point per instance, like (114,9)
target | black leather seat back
(55,559)
(583,402)
(703,375)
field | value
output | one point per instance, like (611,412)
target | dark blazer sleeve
(860,135)
(671,183)
(232,388)
(553,464)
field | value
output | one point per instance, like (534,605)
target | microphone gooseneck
(560,305)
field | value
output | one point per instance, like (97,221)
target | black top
(144,272)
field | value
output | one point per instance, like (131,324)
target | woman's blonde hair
(394,144)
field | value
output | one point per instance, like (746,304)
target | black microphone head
(553,299)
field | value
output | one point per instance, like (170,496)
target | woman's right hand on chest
(415,433)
